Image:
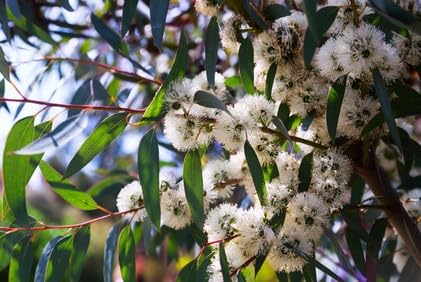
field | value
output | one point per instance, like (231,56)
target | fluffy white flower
(386,157)
(175,212)
(345,14)
(288,167)
(327,61)
(200,82)
(330,191)
(219,223)
(179,97)
(412,203)
(332,163)
(259,109)
(167,181)
(207,7)
(131,197)
(265,145)
(266,47)
(278,196)
(231,34)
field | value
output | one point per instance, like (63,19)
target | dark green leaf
(41,269)
(283,113)
(4,65)
(126,254)
(383,95)
(352,218)
(63,133)
(358,186)
(325,18)
(21,263)
(281,128)
(224,263)
(148,167)
(334,103)
(109,35)
(80,248)
(309,272)
(157,105)
(82,96)
(375,238)
(209,100)
(129,11)
(187,272)
(246,64)
(275,11)
(158,14)
(304,172)
(410,270)
(4,20)
(17,170)
(256,172)
(66,5)
(3,104)
(102,136)
(309,48)
(66,190)
(270,78)
(109,250)
(109,183)
(211,50)
(313,25)
(99,92)
(58,265)
(193,185)
(356,249)
(260,259)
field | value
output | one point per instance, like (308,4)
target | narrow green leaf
(383,95)
(66,190)
(109,250)
(63,133)
(233,81)
(356,249)
(83,95)
(156,108)
(283,114)
(270,78)
(109,35)
(148,167)
(246,64)
(158,15)
(358,186)
(41,269)
(187,272)
(375,238)
(310,47)
(305,172)
(4,65)
(17,170)
(309,272)
(129,11)
(281,128)
(102,136)
(256,172)
(334,103)
(3,104)
(113,182)
(252,14)
(126,254)
(325,18)
(224,263)
(352,218)
(275,11)
(58,264)
(66,5)
(7,243)
(193,185)
(21,263)
(258,263)
(99,92)
(80,248)
(4,21)
(310,7)
(211,50)
(209,100)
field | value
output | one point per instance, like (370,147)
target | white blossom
(131,197)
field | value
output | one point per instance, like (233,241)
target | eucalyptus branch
(355,13)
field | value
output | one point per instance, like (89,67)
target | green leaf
(193,185)
(187,272)
(334,103)
(102,136)
(63,133)
(82,96)
(281,128)
(305,172)
(109,35)
(156,108)
(352,218)
(109,250)
(126,254)
(158,15)
(129,11)
(233,81)
(256,172)
(356,249)
(246,64)
(209,100)
(309,272)
(148,167)
(310,7)
(21,263)
(17,170)
(66,190)
(4,21)
(66,5)
(58,265)
(224,263)
(3,104)
(325,18)
(80,248)
(260,259)
(4,66)
(375,238)
(310,47)
(383,95)
(270,78)
(275,11)
(41,269)
(211,50)
(109,183)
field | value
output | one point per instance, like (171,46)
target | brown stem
(250,260)
(295,139)
(355,13)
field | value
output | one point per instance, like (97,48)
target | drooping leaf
(129,11)
(158,15)
(4,21)
(305,172)
(7,243)
(156,108)
(3,104)
(99,92)
(63,133)
(256,172)
(66,5)
(58,264)
(102,136)
(260,259)
(187,272)
(109,183)
(325,18)
(41,269)
(109,35)
(334,103)
(310,7)
(233,81)
(17,170)
(270,78)
(21,263)
(126,254)
(109,250)
(281,128)
(224,263)
(79,250)
(352,218)
(356,249)
(309,272)
(4,66)
(375,238)
(310,47)
(275,11)
(211,50)
(148,167)
(382,93)
(66,190)
(246,64)
(209,100)
(83,95)
(193,185)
